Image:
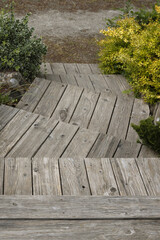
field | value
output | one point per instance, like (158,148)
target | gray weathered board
(81,207)
(80,229)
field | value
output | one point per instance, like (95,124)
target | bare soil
(70,28)
(25,6)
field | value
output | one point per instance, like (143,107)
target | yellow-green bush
(134,50)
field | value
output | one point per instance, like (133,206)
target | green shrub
(19,50)
(149,133)
(134,50)
(142,15)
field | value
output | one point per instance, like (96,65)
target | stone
(10,79)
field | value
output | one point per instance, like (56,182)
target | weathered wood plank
(81,207)
(80,229)
(117,84)
(33,138)
(101,177)
(150,171)
(147,152)
(6,114)
(71,68)
(128,177)
(68,79)
(1,174)
(84,81)
(57,141)
(99,83)
(58,68)
(50,99)
(47,73)
(140,111)
(81,144)
(95,69)
(46,179)
(17,179)
(73,177)
(31,98)
(120,119)
(127,149)
(84,68)
(14,130)
(68,103)
(85,108)
(103,113)
(105,146)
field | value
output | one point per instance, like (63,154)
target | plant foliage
(149,133)
(19,49)
(132,48)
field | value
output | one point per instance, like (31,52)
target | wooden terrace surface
(70,164)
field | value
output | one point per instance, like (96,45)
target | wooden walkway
(26,134)
(70,166)
(79,176)
(99,218)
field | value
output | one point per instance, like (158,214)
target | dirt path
(71,36)
(70,28)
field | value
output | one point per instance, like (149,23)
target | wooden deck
(26,134)
(70,166)
(65,198)
(79,176)
(47,217)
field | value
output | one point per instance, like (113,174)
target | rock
(11,79)
(13,83)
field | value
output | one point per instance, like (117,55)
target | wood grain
(68,79)
(120,119)
(99,83)
(105,146)
(101,177)
(31,98)
(81,144)
(128,177)
(94,68)
(140,112)
(84,81)
(81,207)
(85,108)
(127,149)
(57,141)
(46,179)
(103,112)
(58,68)
(150,171)
(80,229)
(68,103)
(71,68)
(6,114)
(84,68)
(14,130)
(17,176)
(50,99)
(73,176)
(33,138)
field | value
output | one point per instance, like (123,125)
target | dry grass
(81,49)
(25,6)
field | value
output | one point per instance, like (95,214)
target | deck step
(86,76)
(75,208)
(102,112)
(28,134)
(80,176)
(80,229)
